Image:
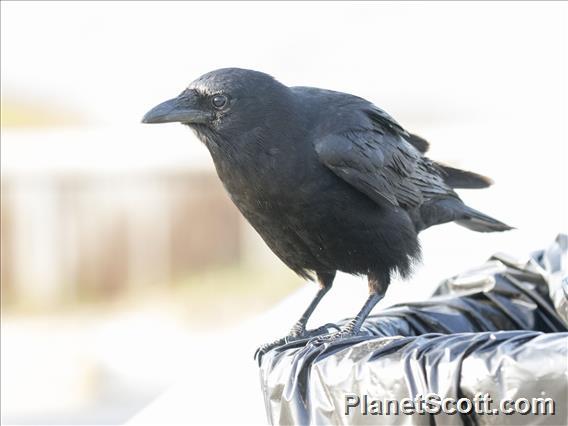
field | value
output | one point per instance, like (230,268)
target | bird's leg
(353,327)
(298,331)
(325,281)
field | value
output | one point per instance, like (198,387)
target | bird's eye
(219,101)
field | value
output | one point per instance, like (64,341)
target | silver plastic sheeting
(497,333)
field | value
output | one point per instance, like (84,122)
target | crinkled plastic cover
(500,329)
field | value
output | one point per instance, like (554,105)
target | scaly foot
(349,330)
(295,335)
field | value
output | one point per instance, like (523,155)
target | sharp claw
(268,346)
(256,353)
(305,334)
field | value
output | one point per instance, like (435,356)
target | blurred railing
(72,235)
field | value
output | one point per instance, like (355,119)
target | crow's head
(226,102)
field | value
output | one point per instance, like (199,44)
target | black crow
(330,181)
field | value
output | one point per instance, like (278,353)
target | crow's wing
(380,163)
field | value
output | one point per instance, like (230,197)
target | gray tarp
(500,329)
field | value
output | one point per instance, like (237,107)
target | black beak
(183,109)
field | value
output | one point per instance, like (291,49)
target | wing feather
(380,163)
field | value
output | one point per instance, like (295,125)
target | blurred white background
(104,304)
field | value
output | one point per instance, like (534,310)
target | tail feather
(419,143)
(457,178)
(479,222)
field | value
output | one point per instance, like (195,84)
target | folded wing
(378,161)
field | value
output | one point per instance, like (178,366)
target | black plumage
(329,181)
